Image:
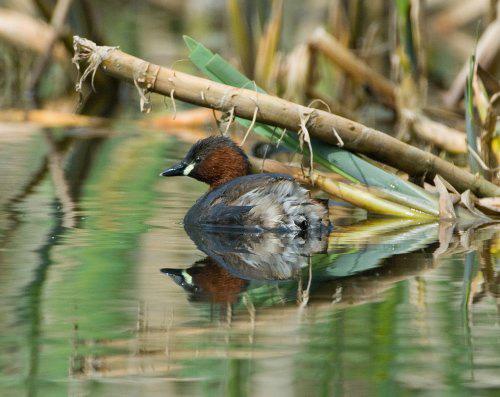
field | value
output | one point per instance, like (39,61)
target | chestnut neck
(223,165)
(216,281)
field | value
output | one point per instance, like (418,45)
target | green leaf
(470,128)
(190,42)
(343,162)
(403,7)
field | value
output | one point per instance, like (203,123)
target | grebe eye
(197,159)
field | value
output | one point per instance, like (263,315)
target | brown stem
(26,32)
(438,134)
(281,113)
(57,22)
(355,68)
(486,51)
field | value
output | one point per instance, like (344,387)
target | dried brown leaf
(446,208)
(491,204)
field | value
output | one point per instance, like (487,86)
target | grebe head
(214,160)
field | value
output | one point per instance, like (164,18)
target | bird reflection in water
(304,268)
(236,259)
(206,279)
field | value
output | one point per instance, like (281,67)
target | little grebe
(239,200)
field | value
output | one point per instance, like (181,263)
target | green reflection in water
(383,316)
(93,275)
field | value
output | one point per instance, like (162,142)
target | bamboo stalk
(278,112)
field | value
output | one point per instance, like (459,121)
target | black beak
(171,272)
(175,170)
(178,277)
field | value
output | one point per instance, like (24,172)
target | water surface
(86,227)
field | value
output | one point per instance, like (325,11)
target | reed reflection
(350,264)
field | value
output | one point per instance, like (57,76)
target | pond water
(104,293)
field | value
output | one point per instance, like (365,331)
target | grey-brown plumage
(262,201)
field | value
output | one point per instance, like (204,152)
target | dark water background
(86,225)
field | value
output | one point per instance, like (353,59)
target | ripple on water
(86,309)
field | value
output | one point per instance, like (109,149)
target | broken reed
(275,111)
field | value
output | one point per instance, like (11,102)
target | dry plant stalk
(59,16)
(353,194)
(298,73)
(436,133)
(50,118)
(486,51)
(458,14)
(266,57)
(192,118)
(27,32)
(352,65)
(281,113)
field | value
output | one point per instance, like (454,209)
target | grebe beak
(172,272)
(181,277)
(177,170)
